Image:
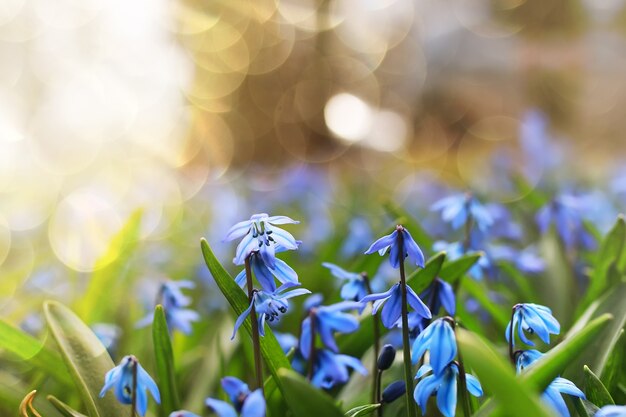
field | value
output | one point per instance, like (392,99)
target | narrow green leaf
(63,408)
(415,229)
(26,347)
(422,278)
(362,410)
(515,398)
(454,270)
(613,375)
(608,256)
(595,391)
(303,399)
(553,363)
(273,355)
(164,358)
(584,408)
(85,357)
(101,294)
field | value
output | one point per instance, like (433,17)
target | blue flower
(355,288)
(244,402)
(612,411)
(120,379)
(526,260)
(440,293)
(525,358)
(552,394)
(332,369)
(261,234)
(269,305)
(359,231)
(174,301)
(439,339)
(444,385)
(458,209)
(532,318)
(392,299)
(565,212)
(326,320)
(402,245)
(183,413)
(265,274)
(287,341)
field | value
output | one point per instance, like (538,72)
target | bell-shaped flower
(269,305)
(438,338)
(565,213)
(402,245)
(458,209)
(532,318)
(120,379)
(265,274)
(354,288)
(331,369)
(326,321)
(174,303)
(525,358)
(552,395)
(392,300)
(444,385)
(261,234)
(612,411)
(440,293)
(244,402)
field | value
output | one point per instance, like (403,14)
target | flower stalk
(376,329)
(256,345)
(133,401)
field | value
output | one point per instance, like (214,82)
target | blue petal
(240,279)
(111,378)
(238,230)
(351,290)
(241,319)
(281,220)
(146,382)
(382,244)
(234,387)
(392,309)
(381,295)
(442,346)
(566,386)
(426,368)
(244,248)
(554,399)
(421,343)
(446,396)
(424,390)
(284,272)
(142,401)
(284,238)
(268,254)
(414,252)
(447,297)
(352,362)
(221,408)
(263,274)
(254,405)
(473,385)
(339,272)
(305,338)
(418,306)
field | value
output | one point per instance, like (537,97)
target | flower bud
(386,357)
(394,391)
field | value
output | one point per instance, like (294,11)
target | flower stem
(378,392)
(376,326)
(312,347)
(406,348)
(256,344)
(465,401)
(511,336)
(133,398)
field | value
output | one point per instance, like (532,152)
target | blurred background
(181,107)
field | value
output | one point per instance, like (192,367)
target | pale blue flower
(612,411)
(359,232)
(326,321)
(182,413)
(392,300)
(120,379)
(265,275)
(552,395)
(401,244)
(439,293)
(244,402)
(439,339)
(355,287)
(461,208)
(174,303)
(534,319)
(331,369)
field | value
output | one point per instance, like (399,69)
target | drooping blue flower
(532,318)
(182,413)
(174,303)
(120,379)
(439,293)
(312,301)
(331,369)
(402,245)
(355,287)
(612,411)
(565,212)
(265,275)
(326,321)
(552,395)
(444,385)
(244,402)
(525,358)
(439,339)
(359,232)
(392,300)
(458,209)
(261,234)
(269,305)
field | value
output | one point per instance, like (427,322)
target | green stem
(256,344)
(465,401)
(133,400)
(406,348)
(378,392)
(376,326)
(511,336)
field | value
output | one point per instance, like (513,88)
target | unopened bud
(394,391)
(386,357)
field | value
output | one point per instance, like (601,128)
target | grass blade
(164,358)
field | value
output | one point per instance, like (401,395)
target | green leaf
(102,294)
(553,363)
(362,410)
(479,291)
(164,358)
(609,256)
(273,355)
(85,357)
(421,279)
(303,399)
(27,348)
(584,408)
(515,398)
(454,270)
(415,229)
(595,391)
(63,408)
